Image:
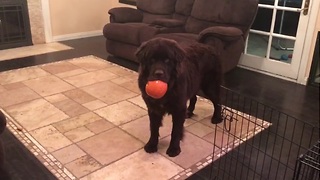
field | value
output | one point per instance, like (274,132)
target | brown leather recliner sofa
(223,24)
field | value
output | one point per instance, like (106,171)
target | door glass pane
(290,3)
(286,23)
(263,19)
(282,49)
(257,45)
(268,2)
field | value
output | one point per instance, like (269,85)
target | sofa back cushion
(206,13)
(156,9)
(183,9)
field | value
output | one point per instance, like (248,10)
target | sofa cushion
(195,26)
(148,32)
(184,7)
(168,22)
(184,39)
(156,9)
(125,15)
(131,33)
(149,18)
(202,15)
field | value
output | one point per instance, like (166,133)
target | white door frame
(305,65)
(302,69)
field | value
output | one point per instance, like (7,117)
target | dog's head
(160,59)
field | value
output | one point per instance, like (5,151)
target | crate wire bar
(268,154)
(308,164)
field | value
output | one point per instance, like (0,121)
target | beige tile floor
(84,119)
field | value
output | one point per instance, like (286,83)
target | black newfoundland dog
(186,71)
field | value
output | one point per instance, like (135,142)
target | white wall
(73,19)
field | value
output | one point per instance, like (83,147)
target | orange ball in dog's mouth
(156,89)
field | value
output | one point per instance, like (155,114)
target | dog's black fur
(186,71)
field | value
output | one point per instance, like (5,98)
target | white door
(276,39)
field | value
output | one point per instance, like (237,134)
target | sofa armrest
(222,32)
(169,23)
(124,15)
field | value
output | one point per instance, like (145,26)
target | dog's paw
(150,148)
(189,114)
(173,151)
(216,119)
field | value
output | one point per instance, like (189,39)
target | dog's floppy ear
(178,54)
(177,51)
(142,52)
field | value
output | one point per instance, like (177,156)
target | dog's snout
(158,73)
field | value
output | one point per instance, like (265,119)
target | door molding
(300,72)
(307,53)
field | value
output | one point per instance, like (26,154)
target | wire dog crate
(308,164)
(261,152)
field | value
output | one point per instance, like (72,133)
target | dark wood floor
(298,101)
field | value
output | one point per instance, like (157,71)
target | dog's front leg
(155,123)
(178,119)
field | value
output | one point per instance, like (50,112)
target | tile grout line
(46,158)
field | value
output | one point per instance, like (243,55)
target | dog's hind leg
(216,118)
(191,107)
(212,92)
(155,123)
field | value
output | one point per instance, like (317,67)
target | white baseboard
(76,36)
